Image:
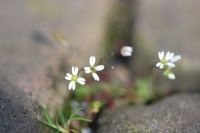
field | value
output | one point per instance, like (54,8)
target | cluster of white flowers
(167,62)
(75,78)
(93,69)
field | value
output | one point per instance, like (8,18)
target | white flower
(167,60)
(74,78)
(93,69)
(126,51)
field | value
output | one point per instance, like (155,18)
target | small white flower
(74,78)
(126,51)
(167,60)
(93,69)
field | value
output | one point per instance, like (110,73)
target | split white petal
(99,68)
(161,55)
(169,55)
(74,70)
(87,70)
(95,76)
(68,76)
(72,85)
(92,60)
(158,64)
(81,81)
(171,65)
(161,66)
(175,58)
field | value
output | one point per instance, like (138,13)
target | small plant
(166,63)
(62,126)
(86,100)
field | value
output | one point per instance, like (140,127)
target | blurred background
(33,63)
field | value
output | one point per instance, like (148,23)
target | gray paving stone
(175,114)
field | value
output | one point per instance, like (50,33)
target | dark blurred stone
(18,113)
(178,114)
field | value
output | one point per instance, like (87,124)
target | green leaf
(82,92)
(50,125)
(46,114)
(144,89)
(62,117)
(81,119)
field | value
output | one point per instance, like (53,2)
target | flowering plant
(167,62)
(86,101)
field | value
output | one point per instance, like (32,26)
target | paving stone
(178,114)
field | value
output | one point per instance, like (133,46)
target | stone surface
(178,113)
(169,25)
(17,113)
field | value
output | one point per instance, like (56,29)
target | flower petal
(99,68)
(171,65)
(68,76)
(171,76)
(74,70)
(126,51)
(169,55)
(95,76)
(81,81)
(92,60)
(175,58)
(128,48)
(161,55)
(159,65)
(87,69)
(72,85)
